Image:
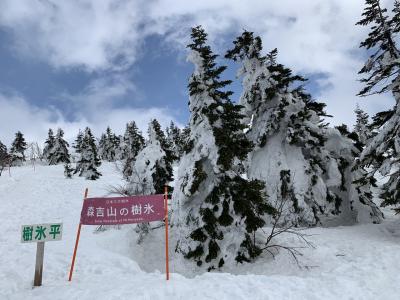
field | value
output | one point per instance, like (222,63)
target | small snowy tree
(174,141)
(48,145)
(17,150)
(167,148)
(120,152)
(382,70)
(108,145)
(33,153)
(151,170)
(287,127)
(133,142)
(77,145)
(102,142)
(361,127)
(89,161)
(68,170)
(216,210)
(59,151)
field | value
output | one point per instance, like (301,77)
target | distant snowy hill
(354,262)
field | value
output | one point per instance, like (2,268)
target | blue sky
(97,63)
(160,79)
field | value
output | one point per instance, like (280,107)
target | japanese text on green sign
(41,233)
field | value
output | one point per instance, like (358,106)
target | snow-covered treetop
(383,64)
(271,92)
(206,76)
(152,134)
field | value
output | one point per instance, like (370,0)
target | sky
(95,63)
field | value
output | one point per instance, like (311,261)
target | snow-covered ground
(354,262)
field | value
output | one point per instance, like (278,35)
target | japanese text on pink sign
(122,210)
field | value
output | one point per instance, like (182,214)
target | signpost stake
(76,243)
(166,231)
(40,233)
(39,264)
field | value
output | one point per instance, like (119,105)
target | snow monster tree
(289,134)
(216,210)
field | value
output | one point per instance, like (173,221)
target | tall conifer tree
(89,161)
(48,145)
(216,210)
(59,151)
(133,142)
(174,141)
(382,74)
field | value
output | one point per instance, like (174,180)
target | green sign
(41,233)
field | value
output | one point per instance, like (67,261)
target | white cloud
(101,94)
(312,37)
(16,114)
(89,34)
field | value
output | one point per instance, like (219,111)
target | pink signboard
(122,210)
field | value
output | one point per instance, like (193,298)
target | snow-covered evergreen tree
(382,70)
(216,210)
(151,170)
(174,140)
(58,153)
(102,143)
(77,145)
(185,140)
(49,144)
(17,150)
(361,128)
(293,144)
(167,148)
(89,161)
(133,142)
(3,149)
(4,158)
(120,152)
(108,145)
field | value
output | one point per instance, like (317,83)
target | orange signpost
(123,210)
(166,232)
(76,242)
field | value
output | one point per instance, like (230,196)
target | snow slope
(355,262)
